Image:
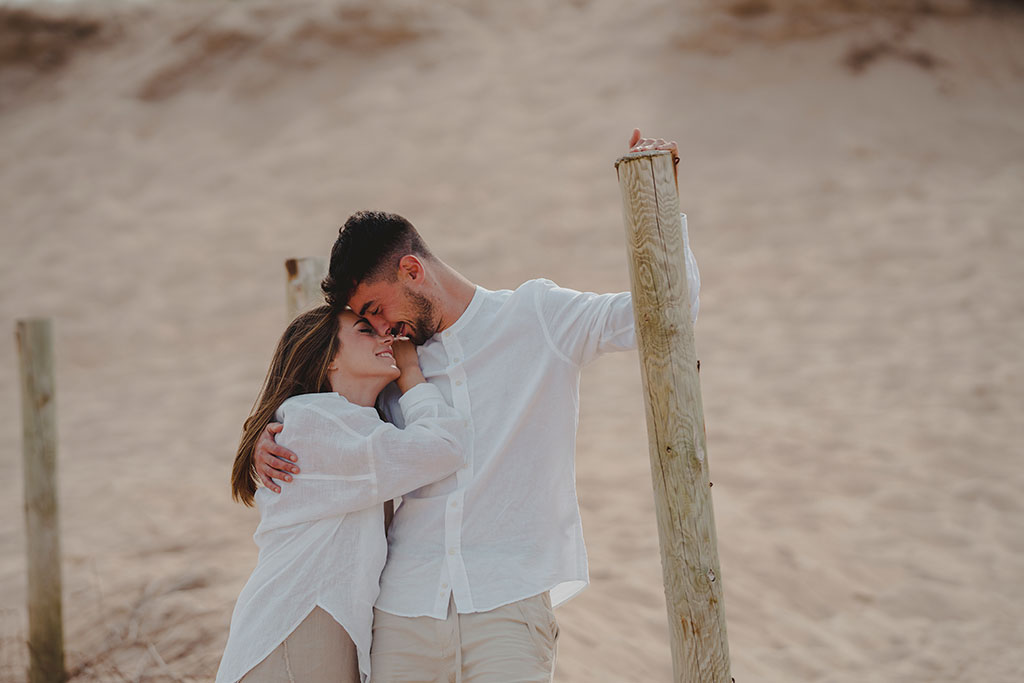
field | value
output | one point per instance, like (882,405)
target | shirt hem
(582,584)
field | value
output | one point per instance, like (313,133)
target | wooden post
(303,286)
(39,437)
(675,419)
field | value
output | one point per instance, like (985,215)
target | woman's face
(361,353)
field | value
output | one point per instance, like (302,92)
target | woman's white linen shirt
(321,540)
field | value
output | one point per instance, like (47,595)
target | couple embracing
(479,395)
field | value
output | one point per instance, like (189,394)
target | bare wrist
(410,379)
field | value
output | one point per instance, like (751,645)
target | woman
(307,610)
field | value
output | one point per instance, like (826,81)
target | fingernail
(295,470)
(287,477)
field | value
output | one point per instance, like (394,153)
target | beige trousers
(516,643)
(317,651)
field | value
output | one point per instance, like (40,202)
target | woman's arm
(352,460)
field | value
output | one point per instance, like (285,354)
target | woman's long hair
(300,365)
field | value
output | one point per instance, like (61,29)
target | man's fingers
(266,472)
(277,465)
(639,144)
(646,144)
(282,453)
(268,482)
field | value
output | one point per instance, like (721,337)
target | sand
(854,184)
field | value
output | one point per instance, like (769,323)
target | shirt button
(458,382)
(444,585)
(455,360)
(455,503)
(451,551)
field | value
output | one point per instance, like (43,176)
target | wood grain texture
(675,419)
(39,449)
(302,289)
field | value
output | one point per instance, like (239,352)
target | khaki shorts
(317,651)
(515,643)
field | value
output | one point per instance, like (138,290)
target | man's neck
(454,293)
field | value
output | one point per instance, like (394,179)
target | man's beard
(423,325)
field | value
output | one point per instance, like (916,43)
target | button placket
(456,568)
(444,589)
(460,395)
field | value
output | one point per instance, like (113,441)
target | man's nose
(381,327)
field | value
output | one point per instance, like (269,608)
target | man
(477,560)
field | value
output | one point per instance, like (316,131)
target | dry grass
(755,8)
(859,57)
(151,637)
(42,41)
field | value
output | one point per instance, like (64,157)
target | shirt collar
(467,315)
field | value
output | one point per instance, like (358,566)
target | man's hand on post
(273,461)
(638,143)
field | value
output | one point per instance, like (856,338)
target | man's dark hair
(369,247)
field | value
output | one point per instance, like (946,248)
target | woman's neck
(362,391)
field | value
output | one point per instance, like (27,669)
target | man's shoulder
(539,283)
(527,291)
(524,298)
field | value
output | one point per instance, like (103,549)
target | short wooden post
(675,419)
(303,285)
(39,448)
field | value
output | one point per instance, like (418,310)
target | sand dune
(853,183)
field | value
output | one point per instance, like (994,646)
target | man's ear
(411,270)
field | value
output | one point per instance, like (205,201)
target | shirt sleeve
(582,325)
(579,326)
(692,273)
(354,460)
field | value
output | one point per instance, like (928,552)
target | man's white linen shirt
(321,539)
(506,526)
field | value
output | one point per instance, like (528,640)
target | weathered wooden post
(39,449)
(675,419)
(303,285)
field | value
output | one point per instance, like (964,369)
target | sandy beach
(854,182)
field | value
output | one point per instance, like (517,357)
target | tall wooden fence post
(675,419)
(303,285)
(39,437)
